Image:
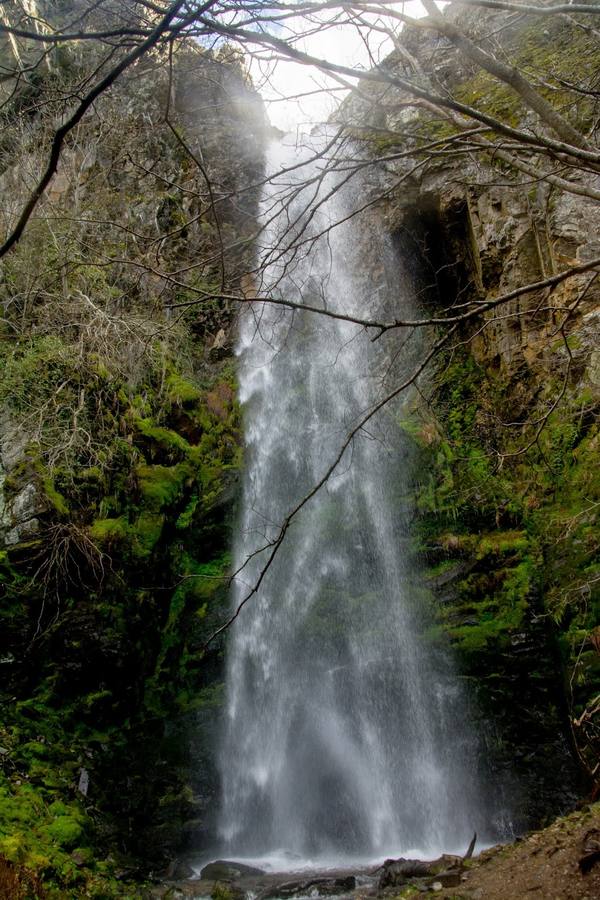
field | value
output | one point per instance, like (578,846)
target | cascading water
(343,733)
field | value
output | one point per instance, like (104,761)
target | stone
(179,869)
(26,503)
(320,886)
(398,871)
(84,782)
(13,443)
(449,878)
(228,870)
(22,532)
(593,370)
(219,348)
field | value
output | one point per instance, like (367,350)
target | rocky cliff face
(507,492)
(119,447)
(119,444)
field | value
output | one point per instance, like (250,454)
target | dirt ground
(562,862)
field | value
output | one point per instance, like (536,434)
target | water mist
(345,733)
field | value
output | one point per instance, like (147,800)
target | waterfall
(345,732)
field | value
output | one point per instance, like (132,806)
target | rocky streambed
(561,862)
(231,880)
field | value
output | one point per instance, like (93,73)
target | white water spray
(344,734)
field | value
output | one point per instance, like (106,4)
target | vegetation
(507,533)
(120,429)
(120,441)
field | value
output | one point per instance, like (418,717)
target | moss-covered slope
(120,447)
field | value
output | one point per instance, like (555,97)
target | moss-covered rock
(508,551)
(120,447)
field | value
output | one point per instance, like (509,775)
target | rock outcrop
(507,512)
(119,449)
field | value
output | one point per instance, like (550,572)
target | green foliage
(133,448)
(164,452)
(33,370)
(459,470)
(515,545)
(181,391)
(119,536)
(221,891)
(161,486)
(40,835)
(56,499)
(165,438)
(65,831)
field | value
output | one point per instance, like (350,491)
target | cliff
(119,439)
(507,490)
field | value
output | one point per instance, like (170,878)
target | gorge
(195,317)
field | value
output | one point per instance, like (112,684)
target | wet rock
(190,888)
(84,782)
(13,443)
(228,870)
(18,513)
(331,887)
(26,530)
(179,869)
(396,872)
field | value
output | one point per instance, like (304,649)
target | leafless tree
(529,121)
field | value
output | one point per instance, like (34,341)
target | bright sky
(281,81)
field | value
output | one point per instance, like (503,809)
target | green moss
(109,531)
(138,538)
(573,343)
(185,519)
(161,486)
(478,637)
(409,891)
(517,584)
(32,370)
(221,891)
(65,831)
(444,567)
(525,530)
(56,499)
(33,748)
(146,533)
(164,437)
(181,391)
(501,542)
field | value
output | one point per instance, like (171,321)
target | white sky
(280,80)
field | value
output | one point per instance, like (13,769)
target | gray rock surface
(21,504)
(228,870)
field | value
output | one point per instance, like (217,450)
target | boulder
(228,870)
(396,872)
(323,886)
